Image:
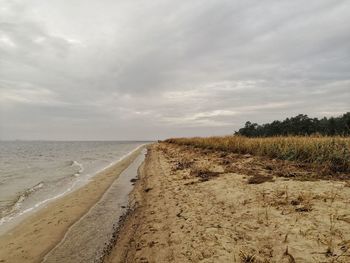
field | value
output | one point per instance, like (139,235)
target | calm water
(32,173)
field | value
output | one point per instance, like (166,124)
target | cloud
(25,93)
(136,70)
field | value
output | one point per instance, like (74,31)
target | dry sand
(33,238)
(198,206)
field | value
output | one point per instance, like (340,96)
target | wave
(81,167)
(28,193)
(16,205)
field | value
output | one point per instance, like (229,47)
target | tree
(299,125)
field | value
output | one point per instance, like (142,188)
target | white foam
(81,168)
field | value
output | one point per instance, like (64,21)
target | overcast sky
(122,69)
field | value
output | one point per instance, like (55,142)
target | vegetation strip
(329,153)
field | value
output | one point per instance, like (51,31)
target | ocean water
(34,172)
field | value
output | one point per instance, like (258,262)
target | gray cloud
(136,70)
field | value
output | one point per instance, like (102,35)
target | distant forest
(299,125)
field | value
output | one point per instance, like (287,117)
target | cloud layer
(146,70)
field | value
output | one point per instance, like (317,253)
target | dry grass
(182,164)
(331,153)
(204,173)
(247,258)
(259,179)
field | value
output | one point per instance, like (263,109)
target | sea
(33,173)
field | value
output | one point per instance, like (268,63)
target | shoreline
(48,225)
(9,222)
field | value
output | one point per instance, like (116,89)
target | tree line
(299,125)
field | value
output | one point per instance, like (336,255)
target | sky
(147,70)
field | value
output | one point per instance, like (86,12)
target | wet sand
(87,240)
(39,233)
(204,206)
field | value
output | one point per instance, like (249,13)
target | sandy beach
(40,232)
(210,131)
(196,205)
